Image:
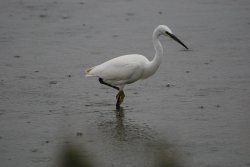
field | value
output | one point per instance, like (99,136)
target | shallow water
(193,112)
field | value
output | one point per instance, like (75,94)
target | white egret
(127,69)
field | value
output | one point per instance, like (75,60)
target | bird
(127,69)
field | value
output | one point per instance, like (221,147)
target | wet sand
(202,118)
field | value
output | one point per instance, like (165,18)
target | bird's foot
(120,97)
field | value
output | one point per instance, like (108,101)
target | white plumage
(127,69)
(120,70)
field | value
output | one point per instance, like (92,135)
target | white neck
(153,65)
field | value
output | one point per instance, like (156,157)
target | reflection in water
(119,128)
(114,126)
(124,142)
(136,142)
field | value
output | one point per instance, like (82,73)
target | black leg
(118,97)
(117,104)
(104,83)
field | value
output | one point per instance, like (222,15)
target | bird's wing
(124,68)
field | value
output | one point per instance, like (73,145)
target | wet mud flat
(193,112)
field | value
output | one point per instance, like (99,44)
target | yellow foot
(120,97)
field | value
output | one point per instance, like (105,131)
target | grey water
(193,112)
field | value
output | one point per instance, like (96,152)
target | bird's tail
(87,72)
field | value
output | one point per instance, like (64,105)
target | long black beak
(176,39)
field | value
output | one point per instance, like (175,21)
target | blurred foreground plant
(74,156)
(167,159)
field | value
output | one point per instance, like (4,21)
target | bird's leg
(120,97)
(104,83)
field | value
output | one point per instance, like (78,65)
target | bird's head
(166,31)
(163,30)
